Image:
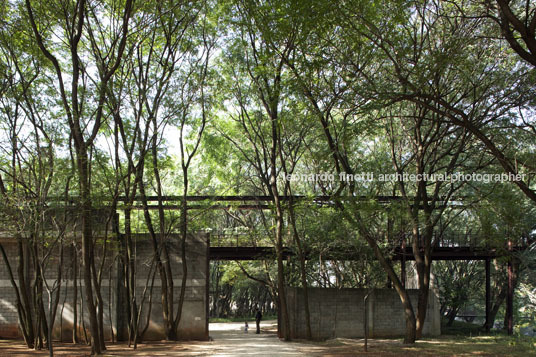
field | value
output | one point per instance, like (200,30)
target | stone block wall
(341,313)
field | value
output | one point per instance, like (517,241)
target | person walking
(258,317)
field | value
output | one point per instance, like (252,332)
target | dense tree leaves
(153,98)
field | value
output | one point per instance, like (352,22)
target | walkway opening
(237,290)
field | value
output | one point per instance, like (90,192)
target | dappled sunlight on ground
(229,339)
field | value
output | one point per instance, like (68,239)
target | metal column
(488,294)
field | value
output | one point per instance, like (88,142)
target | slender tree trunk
(53,305)
(497,305)
(130,276)
(411,323)
(100,304)
(163,269)
(281,290)
(24,288)
(184,237)
(170,321)
(110,306)
(75,293)
(303,273)
(409,314)
(87,242)
(452,315)
(25,320)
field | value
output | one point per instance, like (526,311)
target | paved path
(229,339)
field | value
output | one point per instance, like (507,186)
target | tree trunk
(411,323)
(100,304)
(496,306)
(184,235)
(281,291)
(387,265)
(452,315)
(164,267)
(25,320)
(423,271)
(303,273)
(75,293)
(87,251)
(53,306)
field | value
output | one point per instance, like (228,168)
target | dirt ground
(229,339)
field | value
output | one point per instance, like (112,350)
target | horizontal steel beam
(441,253)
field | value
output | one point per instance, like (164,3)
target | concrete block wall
(194,318)
(8,310)
(194,321)
(65,313)
(341,312)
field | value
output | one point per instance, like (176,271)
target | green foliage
(377,86)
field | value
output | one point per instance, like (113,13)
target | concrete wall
(340,313)
(8,310)
(194,320)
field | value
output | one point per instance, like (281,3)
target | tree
(84,20)
(484,107)
(32,168)
(169,65)
(422,145)
(517,22)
